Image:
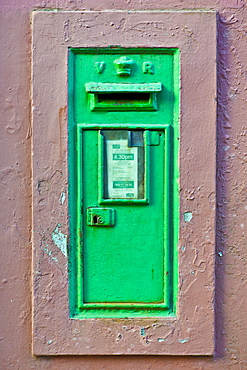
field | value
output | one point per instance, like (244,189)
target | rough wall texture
(231,251)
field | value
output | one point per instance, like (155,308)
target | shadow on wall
(223,136)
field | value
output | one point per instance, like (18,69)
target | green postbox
(123,172)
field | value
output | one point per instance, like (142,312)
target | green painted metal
(94,87)
(123,174)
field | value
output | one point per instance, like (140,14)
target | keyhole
(95,219)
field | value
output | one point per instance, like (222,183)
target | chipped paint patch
(188,216)
(60,239)
(49,253)
(62,197)
(142,332)
(183,340)
(161,339)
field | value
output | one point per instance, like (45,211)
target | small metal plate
(100,216)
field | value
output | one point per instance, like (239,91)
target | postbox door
(121,184)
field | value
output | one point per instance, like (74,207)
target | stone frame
(191,332)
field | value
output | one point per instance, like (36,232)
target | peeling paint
(62,197)
(66,31)
(161,339)
(60,239)
(142,331)
(49,253)
(188,216)
(183,340)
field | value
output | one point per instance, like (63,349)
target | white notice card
(122,170)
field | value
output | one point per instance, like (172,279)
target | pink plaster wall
(15,218)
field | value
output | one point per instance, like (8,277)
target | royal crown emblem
(124,66)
